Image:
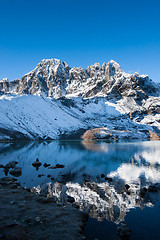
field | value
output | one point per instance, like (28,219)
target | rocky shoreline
(25,215)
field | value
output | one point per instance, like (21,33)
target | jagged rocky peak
(54,78)
(51,64)
(49,78)
(4,85)
(7,87)
(111,68)
(114,68)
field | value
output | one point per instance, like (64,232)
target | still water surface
(107,201)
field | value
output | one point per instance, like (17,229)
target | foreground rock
(24,216)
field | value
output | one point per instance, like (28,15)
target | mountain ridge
(54,100)
(54,78)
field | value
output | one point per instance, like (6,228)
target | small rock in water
(11,164)
(52,178)
(37,163)
(48,176)
(41,175)
(17,171)
(46,165)
(1,166)
(102,175)
(57,166)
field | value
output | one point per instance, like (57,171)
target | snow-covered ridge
(55,99)
(54,78)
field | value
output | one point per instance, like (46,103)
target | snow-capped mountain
(54,78)
(54,99)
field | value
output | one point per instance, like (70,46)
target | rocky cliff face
(54,78)
(89,97)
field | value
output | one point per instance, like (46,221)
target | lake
(106,180)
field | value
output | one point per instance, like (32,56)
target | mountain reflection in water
(128,168)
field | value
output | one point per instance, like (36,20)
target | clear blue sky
(80,33)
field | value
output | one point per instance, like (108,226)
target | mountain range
(55,101)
